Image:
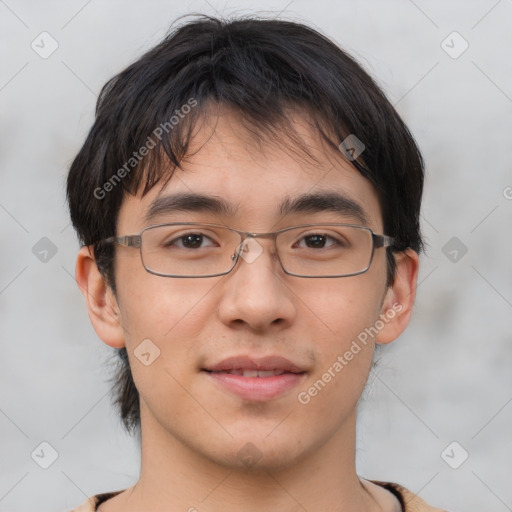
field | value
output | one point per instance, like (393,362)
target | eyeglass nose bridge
(250,247)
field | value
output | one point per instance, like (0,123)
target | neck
(176,477)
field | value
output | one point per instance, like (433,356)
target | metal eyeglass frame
(135,241)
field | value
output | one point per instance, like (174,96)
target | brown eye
(190,241)
(317,241)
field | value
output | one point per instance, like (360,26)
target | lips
(256,379)
(238,365)
(254,373)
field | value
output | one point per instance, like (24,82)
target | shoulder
(91,504)
(411,502)
(88,506)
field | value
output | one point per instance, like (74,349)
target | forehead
(255,183)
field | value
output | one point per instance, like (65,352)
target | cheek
(340,319)
(344,363)
(158,307)
(163,320)
(338,310)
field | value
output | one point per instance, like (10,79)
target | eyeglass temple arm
(128,241)
(382,241)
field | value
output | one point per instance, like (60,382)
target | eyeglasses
(191,249)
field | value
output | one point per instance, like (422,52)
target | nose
(255,293)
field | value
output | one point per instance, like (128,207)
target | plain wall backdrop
(446,67)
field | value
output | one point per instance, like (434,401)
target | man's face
(255,312)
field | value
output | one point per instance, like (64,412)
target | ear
(398,301)
(100,300)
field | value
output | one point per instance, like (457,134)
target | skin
(192,429)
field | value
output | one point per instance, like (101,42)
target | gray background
(448,378)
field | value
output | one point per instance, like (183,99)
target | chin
(258,453)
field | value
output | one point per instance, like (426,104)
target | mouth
(262,374)
(256,379)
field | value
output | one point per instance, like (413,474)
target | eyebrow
(306,203)
(325,202)
(189,202)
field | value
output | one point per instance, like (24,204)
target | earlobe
(399,299)
(100,300)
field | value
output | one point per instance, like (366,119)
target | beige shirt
(409,501)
